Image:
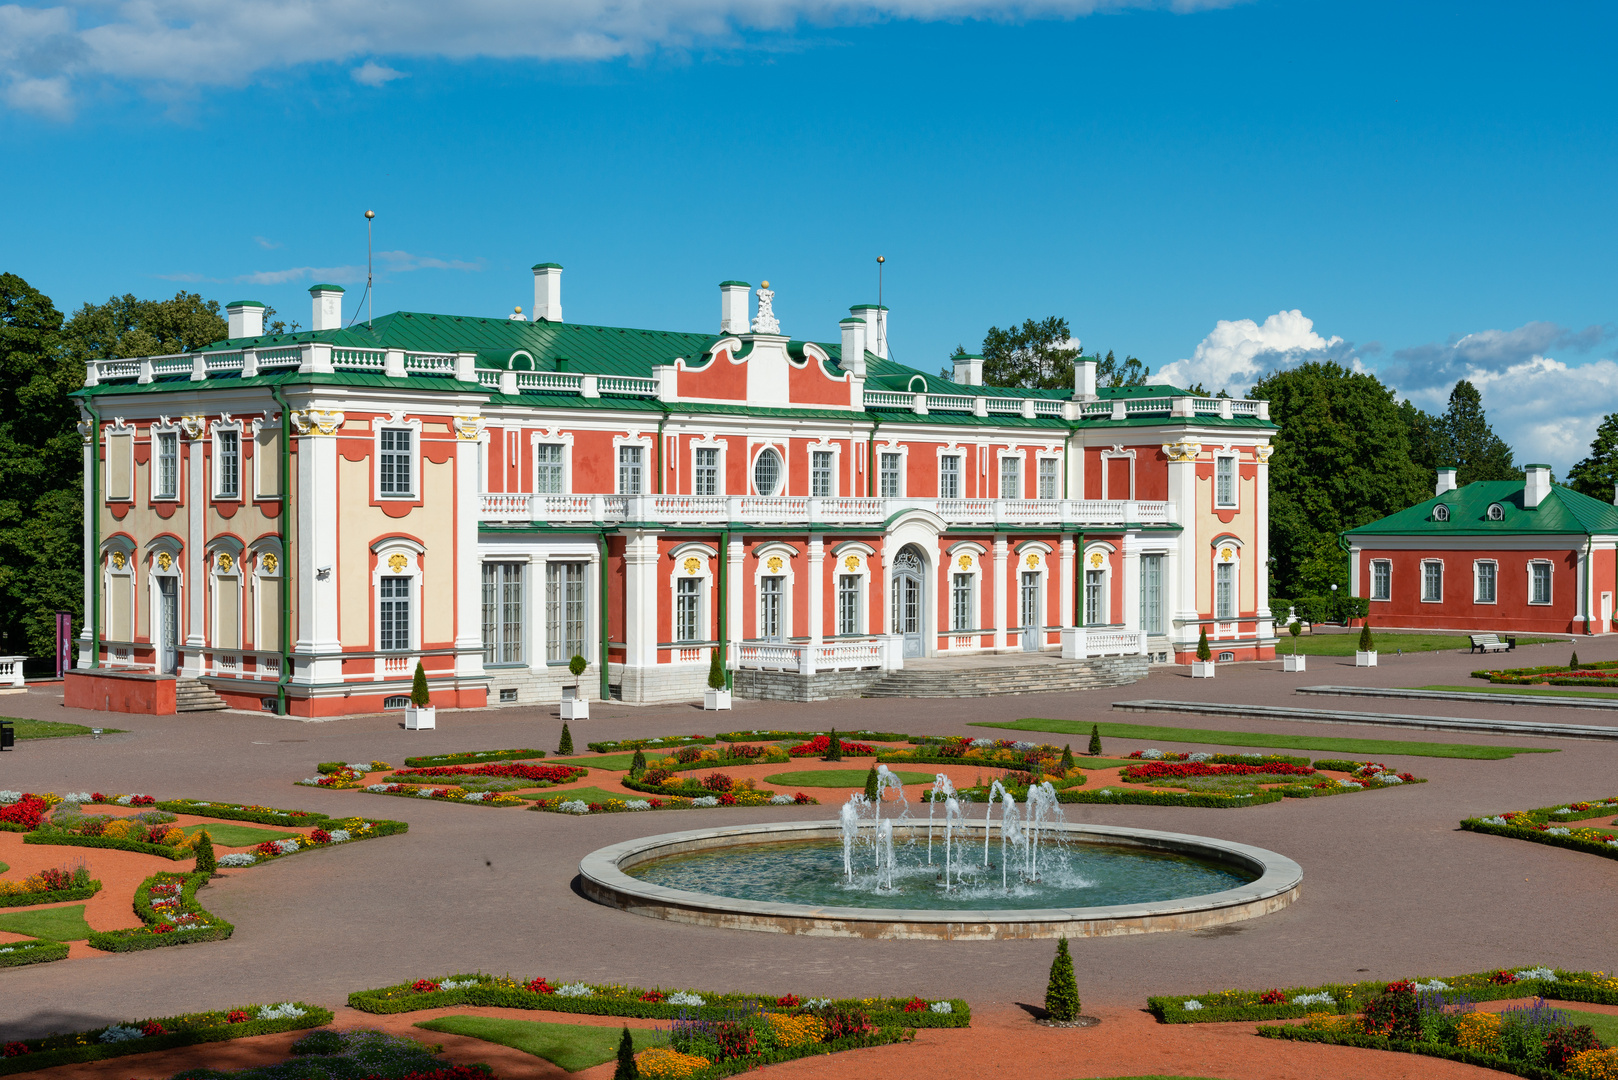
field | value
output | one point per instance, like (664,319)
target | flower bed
(35,951)
(593,999)
(538,774)
(1346,998)
(996,753)
(361,767)
(1549,825)
(262,815)
(446,794)
(820,746)
(805,736)
(24,813)
(662,743)
(562,804)
(1603,673)
(1170,770)
(159,1033)
(167,905)
(660,782)
(50,886)
(1215,800)
(470,757)
(1224,759)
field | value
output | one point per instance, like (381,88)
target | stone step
(193,695)
(1011,678)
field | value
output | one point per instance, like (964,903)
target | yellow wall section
(361,525)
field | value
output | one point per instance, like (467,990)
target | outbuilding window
(1381,579)
(1483,581)
(1432,582)
(1539,583)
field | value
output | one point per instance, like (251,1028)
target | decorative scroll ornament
(1096,560)
(851,563)
(86,429)
(1225,554)
(468,428)
(1263,451)
(317,422)
(964,562)
(397,563)
(692,564)
(118,560)
(269,562)
(774,563)
(1184,450)
(225,563)
(1033,561)
(765,321)
(165,561)
(195,427)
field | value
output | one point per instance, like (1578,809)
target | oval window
(767,472)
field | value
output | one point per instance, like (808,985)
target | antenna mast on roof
(881,320)
(370,301)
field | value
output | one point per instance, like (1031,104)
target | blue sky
(1218,188)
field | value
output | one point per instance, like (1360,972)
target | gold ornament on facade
(1263,452)
(467,428)
(851,563)
(774,563)
(118,560)
(225,563)
(317,421)
(1096,560)
(692,565)
(964,562)
(270,562)
(1033,561)
(1184,450)
(397,563)
(164,561)
(1225,553)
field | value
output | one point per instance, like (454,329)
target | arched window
(1440,512)
(1496,512)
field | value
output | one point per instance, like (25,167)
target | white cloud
(169,45)
(395,262)
(1240,351)
(266,243)
(1466,355)
(372,73)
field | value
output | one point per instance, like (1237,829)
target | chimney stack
(1084,379)
(968,369)
(876,327)
(854,346)
(328,307)
(1536,486)
(1446,479)
(734,299)
(548,292)
(245,318)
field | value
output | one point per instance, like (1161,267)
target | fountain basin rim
(603,880)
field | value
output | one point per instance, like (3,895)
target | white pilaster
(1001,549)
(1068,597)
(817,588)
(1183,499)
(468,569)
(1261,542)
(738,590)
(92,557)
(1131,572)
(196,566)
(318,634)
(640,598)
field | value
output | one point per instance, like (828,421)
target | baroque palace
(298,519)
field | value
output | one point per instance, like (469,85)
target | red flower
(727,799)
(143,800)
(915,1004)
(1159,770)
(424,986)
(555,774)
(788,1002)
(820,744)
(319,836)
(27,812)
(16,1049)
(718,781)
(657,804)
(237,1016)
(1273,997)
(1402,986)
(540,986)
(1502,978)
(151,1028)
(652,996)
(267,850)
(162,928)
(802,800)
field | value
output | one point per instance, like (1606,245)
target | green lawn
(52,924)
(1524,691)
(571,1047)
(236,835)
(1605,1027)
(602,761)
(588,794)
(1362,748)
(3,868)
(1386,642)
(841,778)
(49,729)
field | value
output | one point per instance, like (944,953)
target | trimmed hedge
(262,815)
(1425,1049)
(37,951)
(687,790)
(663,743)
(63,839)
(470,757)
(188,1029)
(57,896)
(805,736)
(1514,832)
(143,938)
(884,1036)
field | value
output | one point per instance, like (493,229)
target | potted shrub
(575,706)
(717,696)
(1294,662)
(420,714)
(1365,655)
(1203,666)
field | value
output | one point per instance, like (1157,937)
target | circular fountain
(1020,871)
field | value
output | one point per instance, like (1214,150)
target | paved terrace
(1391,887)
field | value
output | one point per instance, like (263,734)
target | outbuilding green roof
(1563,510)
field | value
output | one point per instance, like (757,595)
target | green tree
(565,746)
(1367,643)
(1062,992)
(125,326)
(1126,372)
(1067,758)
(1426,435)
(870,784)
(1470,443)
(627,1069)
(1342,459)
(1033,356)
(637,765)
(1204,653)
(420,696)
(834,751)
(1597,474)
(1095,740)
(716,671)
(207,863)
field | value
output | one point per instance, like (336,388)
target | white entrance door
(1033,622)
(1606,612)
(908,597)
(168,625)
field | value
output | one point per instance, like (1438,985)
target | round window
(767,472)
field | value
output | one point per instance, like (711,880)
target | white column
(1171,589)
(317,633)
(999,601)
(1131,572)
(1183,500)
(1261,543)
(817,588)
(196,566)
(1069,597)
(468,566)
(640,600)
(738,590)
(92,557)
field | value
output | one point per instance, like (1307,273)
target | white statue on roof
(765,321)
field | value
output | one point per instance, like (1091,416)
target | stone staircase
(1010,677)
(190,695)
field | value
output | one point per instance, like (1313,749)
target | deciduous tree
(1597,473)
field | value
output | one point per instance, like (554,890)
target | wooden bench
(1491,643)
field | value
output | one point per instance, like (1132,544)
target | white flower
(817,1003)
(1389,778)
(574,806)
(286,847)
(1200,755)
(680,997)
(1321,998)
(360,766)
(77,797)
(1542,973)
(10,796)
(1349,784)
(781,800)
(1495,821)
(1557,832)
(451,984)
(1151,755)
(1023,745)
(1104,791)
(125,800)
(982,742)
(339,835)
(475,796)
(1428,987)
(1191,1006)
(376,787)
(284,1011)
(941,1007)
(637,804)
(240,858)
(1563,810)
(705,800)
(6,950)
(578,990)
(308,781)
(117,1034)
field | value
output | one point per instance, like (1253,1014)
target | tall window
(1381,580)
(168,465)
(770,615)
(1224,590)
(705,481)
(230,464)
(548,469)
(395,464)
(1151,593)
(1225,481)
(1432,582)
(393,622)
(767,472)
(820,474)
(688,607)
(1539,583)
(848,604)
(1484,573)
(889,476)
(629,470)
(1010,478)
(564,611)
(1049,478)
(949,476)
(1095,610)
(502,613)
(961,606)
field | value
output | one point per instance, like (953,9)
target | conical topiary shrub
(1367,643)
(203,846)
(834,752)
(627,1069)
(419,697)
(870,784)
(716,671)
(1204,653)
(566,745)
(1095,740)
(637,766)
(1062,992)
(1067,758)
(1573,664)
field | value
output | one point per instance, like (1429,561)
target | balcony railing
(718,510)
(885,653)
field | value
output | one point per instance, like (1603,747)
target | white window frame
(565,442)
(159,433)
(1477,580)
(1550,582)
(397,422)
(1441,512)
(761,570)
(1387,566)
(524,619)
(703,574)
(758,450)
(266,591)
(708,443)
(1234,561)
(1231,462)
(1117,451)
(883,452)
(123,577)
(1087,565)
(1000,459)
(1163,600)
(1055,463)
(238,429)
(835,452)
(630,462)
(547,643)
(707,470)
(409,570)
(220,579)
(958,459)
(1439,599)
(1041,552)
(176,570)
(118,488)
(861,554)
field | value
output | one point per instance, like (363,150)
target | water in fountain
(942,789)
(1043,810)
(997,786)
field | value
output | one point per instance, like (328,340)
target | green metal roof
(1563,510)
(326,287)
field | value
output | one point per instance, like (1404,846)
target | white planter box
(421,719)
(1202,669)
(575,708)
(715,699)
(1365,659)
(1293,663)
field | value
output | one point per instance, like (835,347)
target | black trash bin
(8,735)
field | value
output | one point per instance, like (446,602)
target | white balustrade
(222,361)
(278,358)
(359,359)
(797,510)
(11,671)
(430,363)
(1083,642)
(626,385)
(807,659)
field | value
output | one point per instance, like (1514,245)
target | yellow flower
(1478,1031)
(663,1063)
(1594,1065)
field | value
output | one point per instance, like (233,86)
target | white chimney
(328,306)
(854,346)
(245,317)
(1084,379)
(734,299)
(548,292)
(1446,479)
(876,327)
(1536,486)
(968,369)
